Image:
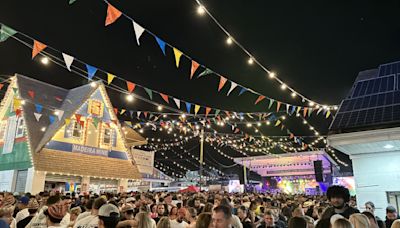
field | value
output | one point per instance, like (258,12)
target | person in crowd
(245,217)
(204,220)
(22,208)
(108,216)
(93,219)
(32,207)
(359,220)
(164,223)
(323,223)
(338,197)
(222,217)
(74,213)
(40,220)
(396,224)
(144,221)
(208,208)
(298,212)
(191,217)
(391,216)
(153,211)
(370,206)
(179,222)
(372,219)
(235,223)
(297,222)
(269,220)
(160,212)
(88,208)
(55,214)
(342,223)
(198,206)
(173,213)
(310,221)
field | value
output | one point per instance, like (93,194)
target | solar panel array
(372,101)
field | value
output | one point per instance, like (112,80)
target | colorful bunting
(91,71)
(178,55)
(309,112)
(52,119)
(205,72)
(242,91)
(188,106)
(115,111)
(31,93)
(164,97)
(39,108)
(217,112)
(112,14)
(110,78)
(68,60)
(161,43)
(195,65)
(149,92)
(138,114)
(328,114)
(71,1)
(233,86)
(177,102)
(287,108)
(196,109)
(278,106)
(67,121)
(37,116)
(1,85)
(17,103)
(6,32)
(18,112)
(222,82)
(95,122)
(138,31)
(277,123)
(78,118)
(131,86)
(208,110)
(59,113)
(145,114)
(271,102)
(298,110)
(37,48)
(305,111)
(122,111)
(260,98)
(319,110)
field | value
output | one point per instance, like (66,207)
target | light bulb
(250,61)
(229,41)
(160,108)
(45,60)
(271,75)
(200,10)
(283,86)
(129,97)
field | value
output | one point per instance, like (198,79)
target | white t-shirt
(21,215)
(91,221)
(176,224)
(83,215)
(40,220)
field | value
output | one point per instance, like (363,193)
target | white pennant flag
(59,113)
(177,102)
(138,114)
(37,116)
(233,86)
(138,31)
(68,60)
(287,108)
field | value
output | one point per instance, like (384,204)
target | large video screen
(347,182)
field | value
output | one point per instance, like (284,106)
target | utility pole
(201,155)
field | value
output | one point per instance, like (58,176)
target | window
(107,136)
(20,128)
(76,130)
(3,127)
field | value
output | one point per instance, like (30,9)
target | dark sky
(316,47)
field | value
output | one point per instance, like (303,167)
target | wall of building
(375,175)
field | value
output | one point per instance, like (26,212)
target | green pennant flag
(216,112)
(6,32)
(71,1)
(15,90)
(271,102)
(95,122)
(309,112)
(205,72)
(149,92)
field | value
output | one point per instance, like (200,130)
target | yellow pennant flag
(298,109)
(277,123)
(67,121)
(122,111)
(328,113)
(17,103)
(110,77)
(196,109)
(178,55)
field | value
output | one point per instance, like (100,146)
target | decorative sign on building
(144,160)
(89,150)
(95,108)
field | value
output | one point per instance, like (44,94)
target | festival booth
(291,172)
(65,140)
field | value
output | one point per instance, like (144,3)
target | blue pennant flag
(52,119)
(39,108)
(242,91)
(293,110)
(188,106)
(91,71)
(161,43)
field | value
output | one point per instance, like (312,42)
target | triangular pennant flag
(161,43)
(236,130)
(283,126)
(233,86)
(195,65)
(205,72)
(15,90)
(278,106)
(37,48)
(6,32)
(78,118)
(116,111)
(68,60)
(52,119)
(128,123)
(95,122)
(1,85)
(17,103)
(110,78)
(18,112)
(131,86)
(138,114)
(188,106)
(91,71)
(217,112)
(287,108)
(271,102)
(277,123)
(145,114)
(328,114)
(249,115)
(67,121)
(138,31)
(164,97)
(208,109)
(177,102)
(59,113)
(37,116)
(112,14)
(298,109)
(178,55)
(31,93)
(39,108)
(71,1)
(319,110)
(293,110)
(196,109)
(149,92)
(310,110)
(222,82)
(82,123)
(122,111)
(291,136)
(305,111)
(260,98)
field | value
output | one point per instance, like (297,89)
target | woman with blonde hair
(395,224)
(342,223)
(164,223)
(359,220)
(144,220)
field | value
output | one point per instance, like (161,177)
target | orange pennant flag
(112,14)
(195,65)
(222,82)
(208,109)
(37,48)
(164,97)
(1,85)
(260,98)
(278,106)
(131,86)
(305,111)
(116,111)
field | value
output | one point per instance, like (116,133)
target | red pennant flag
(305,111)
(78,118)
(58,98)
(1,86)
(195,65)
(145,114)
(164,97)
(131,86)
(116,111)
(112,14)
(37,48)
(222,82)
(17,112)
(278,106)
(208,109)
(31,94)
(82,123)
(260,98)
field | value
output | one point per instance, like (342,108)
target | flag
(208,109)
(196,109)
(110,78)
(78,117)
(260,98)
(37,116)
(205,72)
(37,48)
(177,102)
(278,106)
(138,31)
(178,55)
(195,65)
(68,60)
(242,91)
(1,85)
(31,93)
(59,113)
(161,43)
(328,114)
(149,92)
(298,109)
(122,111)
(112,14)
(67,121)
(39,108)
(305,111)
(233,86)
(6,32)
(188,106)
(131,86)
(271,102)
(164,97)
(71,1)
(222,82)
(52,119)
(91,71)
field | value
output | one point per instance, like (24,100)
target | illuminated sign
(95,108)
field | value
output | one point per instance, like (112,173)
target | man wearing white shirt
(179,222)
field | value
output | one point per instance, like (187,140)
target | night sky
(316,47)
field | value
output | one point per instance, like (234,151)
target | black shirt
(24,222)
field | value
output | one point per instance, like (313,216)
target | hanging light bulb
(250,61)
(271,75)
(93,84)
(159,108)
(200,10)
(293,94)
(311,104)
(129,97)
(45,60)
(283,86)
(229,41)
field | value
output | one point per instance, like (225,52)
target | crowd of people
(336,209)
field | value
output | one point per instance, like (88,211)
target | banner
(144,160)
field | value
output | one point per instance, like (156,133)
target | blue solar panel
(374,99)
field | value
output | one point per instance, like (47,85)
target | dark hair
(369,216)
(51,218)
(297,222)
(203,220)
(53,200)
(110,222)
(89,204)
(248,215)
(371,204)
(32,211)
(225,202)
(390,209)
(338,191)
(323,223)
(224,209)
(98,203)
(208,207)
